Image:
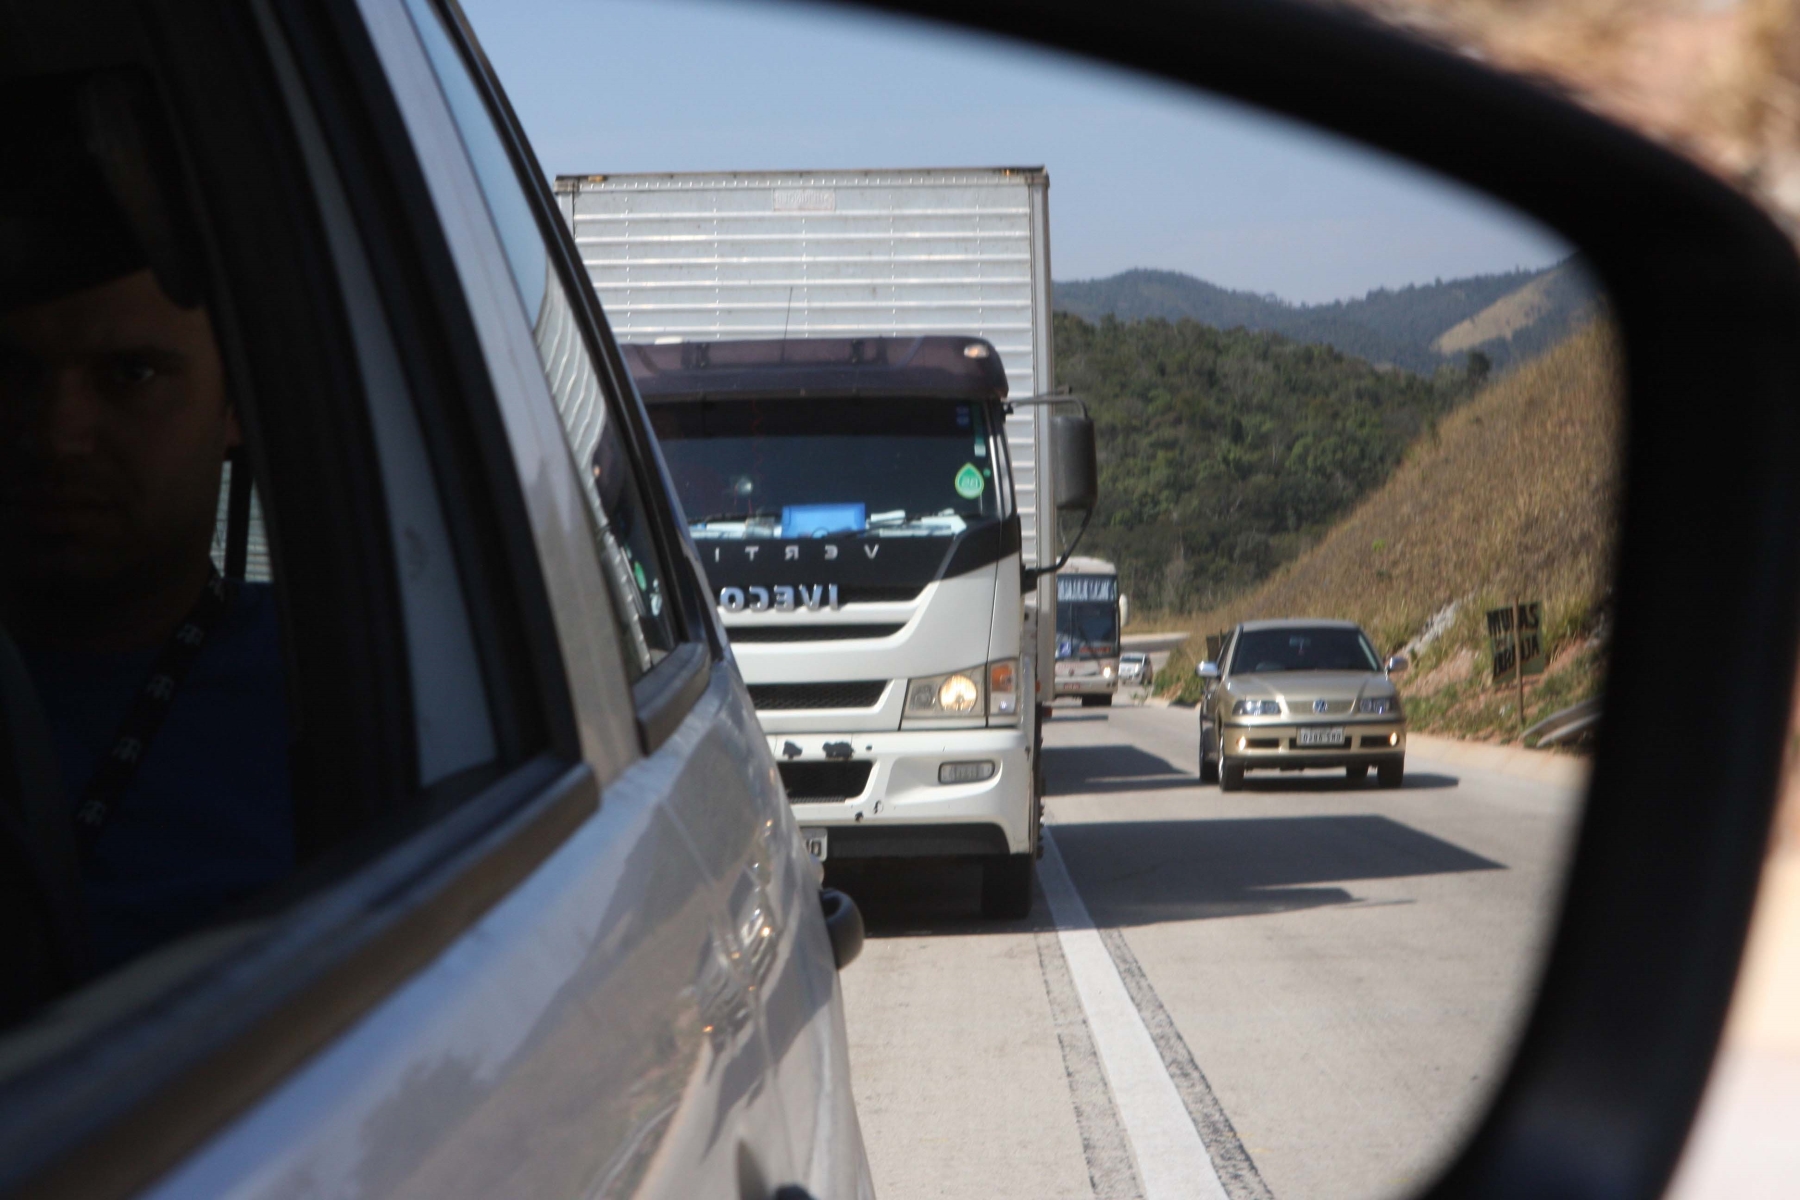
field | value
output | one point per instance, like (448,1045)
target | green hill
(1507,317)
(1224,453)
(1510,497)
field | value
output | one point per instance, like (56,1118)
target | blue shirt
(208,819)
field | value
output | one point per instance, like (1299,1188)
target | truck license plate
(1322,737)
(816,842)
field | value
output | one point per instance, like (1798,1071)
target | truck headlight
(958,694)
(1256,708)
(1380,705)
(955,694)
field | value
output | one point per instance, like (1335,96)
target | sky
(1142,174)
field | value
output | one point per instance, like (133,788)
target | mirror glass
(1357,431)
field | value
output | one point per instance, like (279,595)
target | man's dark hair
(88,189)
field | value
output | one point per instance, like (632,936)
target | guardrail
(1566,724)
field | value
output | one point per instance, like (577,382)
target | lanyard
(119,766)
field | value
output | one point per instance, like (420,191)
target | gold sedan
(1298,695)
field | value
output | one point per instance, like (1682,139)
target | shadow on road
(1149,872)
(1070,770)
(1335,781)
(920,897)
(1123,767)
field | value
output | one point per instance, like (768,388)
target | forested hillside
(1224,453)
(1507,318)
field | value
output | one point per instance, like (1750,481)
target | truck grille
(808,633)
(856,694)
(813,782)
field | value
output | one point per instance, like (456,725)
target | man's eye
(133,371)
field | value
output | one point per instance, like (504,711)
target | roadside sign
(1516,639)
(1502,645)
(1533,657)
(1516,643)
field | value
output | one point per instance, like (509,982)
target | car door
(693,714)
(530,953)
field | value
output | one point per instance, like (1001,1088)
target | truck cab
(851,503)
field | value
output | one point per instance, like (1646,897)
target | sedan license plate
(817,842)
(1322,737)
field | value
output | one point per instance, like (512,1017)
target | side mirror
(1207,670)
(1396,663)
(1077,469)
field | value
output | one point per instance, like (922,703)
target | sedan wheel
(1209,770)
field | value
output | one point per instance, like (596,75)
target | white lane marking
(1171,1159)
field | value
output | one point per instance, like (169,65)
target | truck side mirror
(1396,663)
(1076,464)
(1207,670)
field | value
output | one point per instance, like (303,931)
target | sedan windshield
(808,468)
(1303,649)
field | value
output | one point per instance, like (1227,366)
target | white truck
(815,349)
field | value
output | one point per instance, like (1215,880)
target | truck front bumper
(1086,685)
(903,810)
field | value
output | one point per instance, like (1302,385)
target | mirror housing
(1207,670)
(1396,662)
(1075,463)
(843,921)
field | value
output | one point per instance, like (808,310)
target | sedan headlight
(1256,708)
(1380,706)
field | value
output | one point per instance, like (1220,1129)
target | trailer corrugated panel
(832,254)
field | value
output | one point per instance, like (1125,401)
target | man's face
(114,427)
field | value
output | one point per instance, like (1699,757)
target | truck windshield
(1303,649)
(819,466)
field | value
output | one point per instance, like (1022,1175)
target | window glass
(615,500)
(148,732)
(807,468)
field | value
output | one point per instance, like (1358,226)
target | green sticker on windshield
(969,482)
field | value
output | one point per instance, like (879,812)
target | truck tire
(1007,882)
(1231,776)
(1390,773)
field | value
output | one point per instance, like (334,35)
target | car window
(1304,649)
(618,508)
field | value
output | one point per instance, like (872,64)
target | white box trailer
(770,254)
(802,257)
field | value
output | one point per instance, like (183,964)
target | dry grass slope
(1510,497)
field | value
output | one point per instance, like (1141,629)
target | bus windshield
(819,466)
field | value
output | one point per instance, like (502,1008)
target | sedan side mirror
(1207,670)
(1396,663)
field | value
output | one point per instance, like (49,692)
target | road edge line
(1112,1175)
(1173,1161)
(1236,1169)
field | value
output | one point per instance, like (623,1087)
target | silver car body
(648,1005)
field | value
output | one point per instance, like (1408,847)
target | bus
(1089,612)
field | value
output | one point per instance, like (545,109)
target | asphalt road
(1301,990)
